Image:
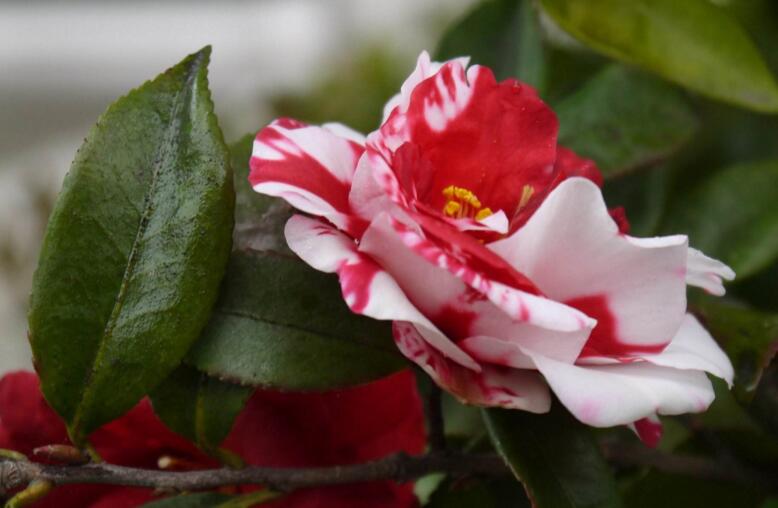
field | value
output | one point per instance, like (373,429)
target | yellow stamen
(483,213)
(526,194)
(463,203)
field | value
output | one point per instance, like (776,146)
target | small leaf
(749,337)
(503,35)
(199,500)
(279,323)
(134,250)
(199,407)
(623,120)
(693,43)
(554,456)
(732,216)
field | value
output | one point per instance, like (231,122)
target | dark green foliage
(555,457)
(279,323)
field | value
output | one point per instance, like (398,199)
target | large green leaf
(749,337)
(690,42)
(279,323)
(554,456)
(199,407)
(623,119)
(134,250)
(733,216)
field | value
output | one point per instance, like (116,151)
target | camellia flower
(275,429)
(492,251)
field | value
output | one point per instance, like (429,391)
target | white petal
(607,395)
(572,250)
(694,348)
(367,289)
(707,273)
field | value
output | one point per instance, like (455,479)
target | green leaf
(199,407)
(692,43)
(749,337)
(554,456)
(259,218)
(199,500)
(134,251)
(479,493)
(644,195)
(623,120)
(503,35)
(675,491)
(488,34)
(732,216)
(279,323)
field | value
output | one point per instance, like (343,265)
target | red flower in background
(275,429)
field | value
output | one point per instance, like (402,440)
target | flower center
(461,203)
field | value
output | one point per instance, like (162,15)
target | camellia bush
(509,292)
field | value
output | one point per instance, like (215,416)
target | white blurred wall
(62,63)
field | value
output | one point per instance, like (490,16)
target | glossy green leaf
(199,407)
(692,42)
(503,35)
(749,337)
(733,216)
(259,218)
(554,456)
(623,120)
(199,500)
(279,323)
(134,250)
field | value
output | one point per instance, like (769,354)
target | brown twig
(400,468)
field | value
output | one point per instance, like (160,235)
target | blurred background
(63,63)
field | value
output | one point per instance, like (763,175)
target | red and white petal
(608,395)
(310,167)
(367,288)
(424,69)
(694,348)
(435,280)
(707,273)
(649,430)
(499,340)
(345,132)
(572,250)
(492,386)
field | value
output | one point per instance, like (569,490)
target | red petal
(27,419)
(491,138)
(569,164)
